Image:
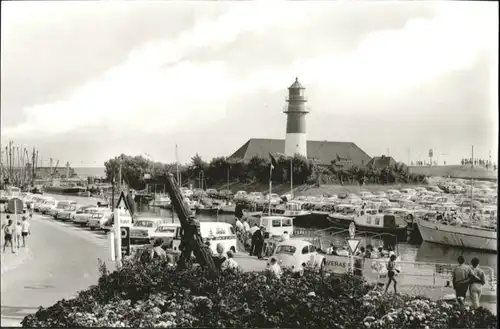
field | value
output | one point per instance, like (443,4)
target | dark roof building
(382,162)
(321,152)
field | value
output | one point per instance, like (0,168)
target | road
(62,261)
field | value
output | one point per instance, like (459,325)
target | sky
(86,81)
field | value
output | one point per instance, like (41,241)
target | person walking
(258,242)
(19,230)
(391,273)
(8,231)
(461,279)
(477,282)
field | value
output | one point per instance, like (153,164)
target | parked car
(166,232)
(225,193)
(98,219)
(255,196)
(241,195)
(44,207)
(82,218)
(211,192)
(143,228)
(70,212)
(297,254)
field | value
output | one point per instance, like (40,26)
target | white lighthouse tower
(296,137)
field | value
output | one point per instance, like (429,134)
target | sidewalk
(10,261)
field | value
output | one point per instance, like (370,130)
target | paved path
(62,261)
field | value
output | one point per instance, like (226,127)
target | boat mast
(472,183)
(270,186)
(177,165)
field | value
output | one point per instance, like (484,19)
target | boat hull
(458,236)
(64,190)
(400,232)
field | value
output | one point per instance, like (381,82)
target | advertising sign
(125,235)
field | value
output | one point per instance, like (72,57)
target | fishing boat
(228,208)
(160,200)
(466,235)
(368,220)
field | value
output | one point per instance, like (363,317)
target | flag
(273,162)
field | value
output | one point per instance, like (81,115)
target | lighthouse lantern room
(296,136)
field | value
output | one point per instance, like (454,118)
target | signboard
(337,264)
(352,230)
(431,153)
(353,245)
(126,202)
(125,236)
(16,205)
(147,176)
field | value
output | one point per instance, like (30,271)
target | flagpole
(270,185)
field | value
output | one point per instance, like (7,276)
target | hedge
(158,295)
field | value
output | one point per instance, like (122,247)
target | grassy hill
(456,171)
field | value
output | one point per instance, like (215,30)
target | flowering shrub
(400,311)
(156,295)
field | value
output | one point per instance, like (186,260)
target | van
(276,225)
(214,232)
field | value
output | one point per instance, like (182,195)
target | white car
(366,195)
(241,195)
(380,194)
(254,196)
(125,220)
(99,218)
(297,254)
(82,218)
(166,232)
(275,198)
(69,212)
(45,206)
(143,229)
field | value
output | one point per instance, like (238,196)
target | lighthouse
(296,137)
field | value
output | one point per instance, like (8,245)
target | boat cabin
(345,209)
(295,208)
(376,220)
(277,225)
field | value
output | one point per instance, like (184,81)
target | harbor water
(426,252)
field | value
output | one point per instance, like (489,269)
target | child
(391,269)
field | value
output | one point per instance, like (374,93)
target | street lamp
(291,171)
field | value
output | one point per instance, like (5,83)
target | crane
(54,171)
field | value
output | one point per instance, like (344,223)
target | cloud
(155,89)
(166,88)
(396,60)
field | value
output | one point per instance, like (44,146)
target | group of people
(479,162)
(20,232)
(368,252)
(254,235)
(468,278)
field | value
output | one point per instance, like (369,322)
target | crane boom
(55,169)
(191,239)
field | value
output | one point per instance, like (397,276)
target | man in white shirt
(274,268)
(246,226)
(254,228)
(239,225)
(25,230)
(230,263)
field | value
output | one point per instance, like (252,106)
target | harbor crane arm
(191,238)
(55,169)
